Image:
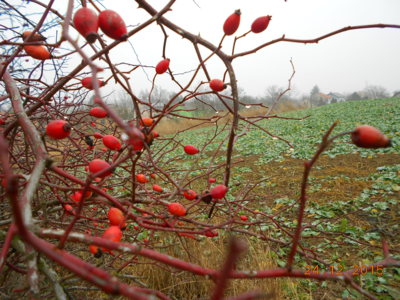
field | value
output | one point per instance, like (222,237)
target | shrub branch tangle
(55,204)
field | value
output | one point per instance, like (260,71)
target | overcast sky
(343,63)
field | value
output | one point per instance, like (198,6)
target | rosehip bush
(74,208)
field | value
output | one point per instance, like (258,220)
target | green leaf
(343,225)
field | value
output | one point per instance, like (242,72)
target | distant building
(323,96)
(322,99)
(319,99)
(335,97)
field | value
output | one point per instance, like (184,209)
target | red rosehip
(244,218)
(217,85)
(190,149)
(232,23)
(69,210)
(162,66)
(113,25)
(77,196)
(146,122)
(157,188)
(95,251)
(176,209)
(190,194)
(37,37)
(58,129)
(260,24)
(116,217)
(112,233)
(219,191)
(87,23)
(212,180)
(87,82)
(366,136)
(98,112)
(155,134)
(37,52)
(137,144)
(141,178)
(98,165)
(137,141)
(98,135)
(210,233)
(111,142)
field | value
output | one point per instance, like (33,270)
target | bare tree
(375,92)
(122,104)
(272,93)
(315,97)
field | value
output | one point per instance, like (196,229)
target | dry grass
(173,126)
(210,253)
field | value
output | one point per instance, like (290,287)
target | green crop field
(352,197)
(304,135)
(353,192)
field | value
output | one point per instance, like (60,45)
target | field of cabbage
(353,192)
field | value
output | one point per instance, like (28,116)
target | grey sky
(342,63)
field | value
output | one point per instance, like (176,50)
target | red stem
(12,230)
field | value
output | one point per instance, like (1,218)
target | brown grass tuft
(210,253)
(172,126)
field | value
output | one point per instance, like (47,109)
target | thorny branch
(40,216)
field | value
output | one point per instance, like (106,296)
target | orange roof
(324,95)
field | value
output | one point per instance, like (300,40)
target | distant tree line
(317,98)
(207,102)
